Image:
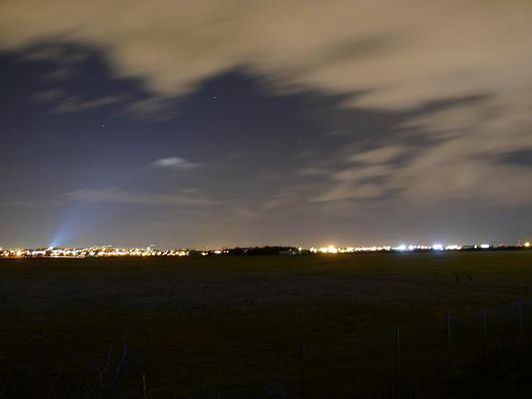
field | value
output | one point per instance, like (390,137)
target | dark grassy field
(236,326)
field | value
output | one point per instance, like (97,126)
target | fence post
(143,385)
(520,314)
(485,330)
(449,347)
(398,358)
(303,373)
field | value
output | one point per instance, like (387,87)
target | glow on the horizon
(453,247)
(109,251)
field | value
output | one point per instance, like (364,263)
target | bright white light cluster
(330,249)
(433,247)
(453,247)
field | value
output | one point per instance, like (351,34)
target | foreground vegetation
(368,325)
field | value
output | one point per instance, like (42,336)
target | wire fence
(410,357)
(421,355)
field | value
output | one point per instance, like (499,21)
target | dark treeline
(254,251)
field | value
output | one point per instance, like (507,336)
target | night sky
(213,123)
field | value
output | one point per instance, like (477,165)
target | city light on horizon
(153,251)
(265,123)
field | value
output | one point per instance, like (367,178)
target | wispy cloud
(54,53)
(458,156)
(59,74)
(379,155)
(175,163)
(153,108)
(31,204)
(120,196)
(49,95)
(78,103)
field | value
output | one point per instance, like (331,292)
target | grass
(234,326)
